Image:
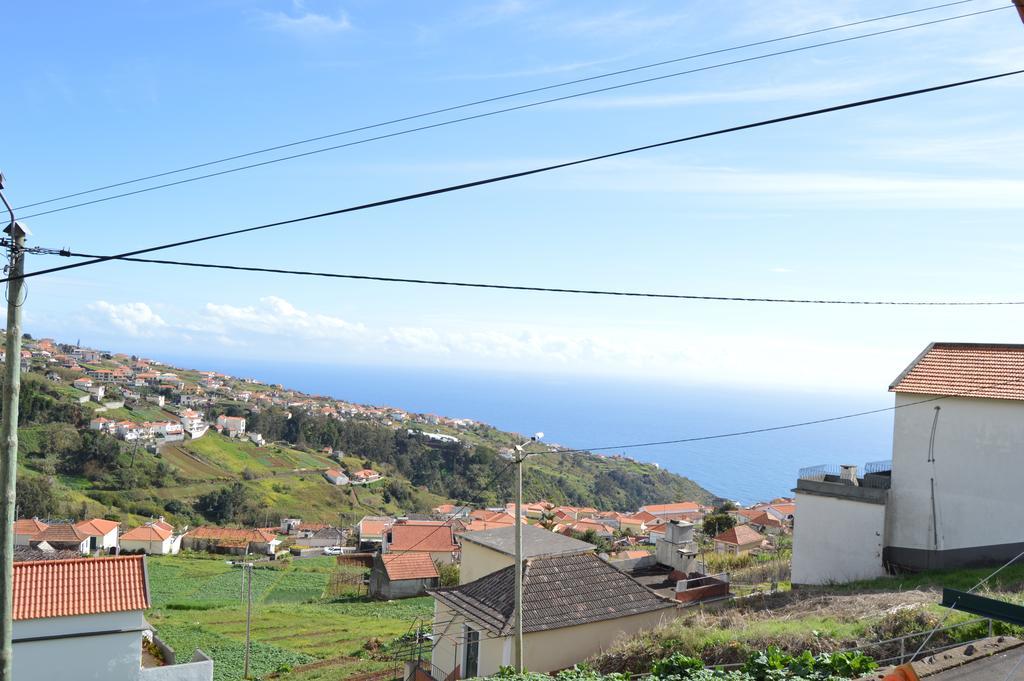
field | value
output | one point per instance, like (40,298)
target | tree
(222,505)
(35,497)
(449,573)
(726,506)
(717,523)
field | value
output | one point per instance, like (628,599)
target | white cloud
(135,319)
(273,316)
(305,23)
(846,188)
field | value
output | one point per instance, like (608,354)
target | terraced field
(296,630)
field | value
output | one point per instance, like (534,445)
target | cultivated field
(299,630)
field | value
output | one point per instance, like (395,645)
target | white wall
(836,540)
(978,468)
(107,657)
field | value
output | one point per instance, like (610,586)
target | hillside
(67,469)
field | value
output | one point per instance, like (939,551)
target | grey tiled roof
(536,541)
(558,591)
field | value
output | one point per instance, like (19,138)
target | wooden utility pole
(16,232)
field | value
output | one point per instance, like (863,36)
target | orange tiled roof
(96,527)
(740,535)
(766,520)
(374,526)
(146,533)
(681,507)
(29,526)
(231,534)
(422,538)
(61,533)
(990,370)
(409,566)
(83,586)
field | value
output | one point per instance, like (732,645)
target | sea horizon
(590,412)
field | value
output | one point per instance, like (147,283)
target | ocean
(602,412)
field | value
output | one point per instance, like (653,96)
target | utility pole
(9,433)
(520,456)
(248,620)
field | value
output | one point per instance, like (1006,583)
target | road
(994,668)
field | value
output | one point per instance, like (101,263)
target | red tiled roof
(969,369)
(84,586)
(61,533)
(740,535)
(222,534)
(422,538)
(766,520)
(681,507)
(409,566)
(29,526)
(374,526)
(96,527)
(146,533)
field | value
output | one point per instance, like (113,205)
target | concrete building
(492,550)
(433,538)
(943,500)
(574,605)
(82,620)
(26,528)
(237,541)
(62,536)
(402,575)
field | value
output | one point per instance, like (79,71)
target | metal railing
(878,467)
(819,473)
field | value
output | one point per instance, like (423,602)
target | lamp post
(520,457)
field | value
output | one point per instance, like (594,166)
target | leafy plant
(680,664)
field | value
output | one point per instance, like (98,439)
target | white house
(942,501)
(27,528)
(335,477)
(83,619)
(154,538)
(102,533)
(233,425)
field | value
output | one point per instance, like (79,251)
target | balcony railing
(875,474)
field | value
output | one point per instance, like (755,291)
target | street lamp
(520,457)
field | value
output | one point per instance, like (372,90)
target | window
(471,661)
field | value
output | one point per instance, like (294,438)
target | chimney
(848,474)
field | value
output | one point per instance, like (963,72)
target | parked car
(332,551)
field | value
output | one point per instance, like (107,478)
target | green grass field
(197,604)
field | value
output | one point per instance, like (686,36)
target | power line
(788,426)
(488,101)
(533,171)
(460,120)
(537,289)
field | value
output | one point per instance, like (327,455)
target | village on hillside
(619,574)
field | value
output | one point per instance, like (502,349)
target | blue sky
(917,199)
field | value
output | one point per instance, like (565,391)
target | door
(471,662)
